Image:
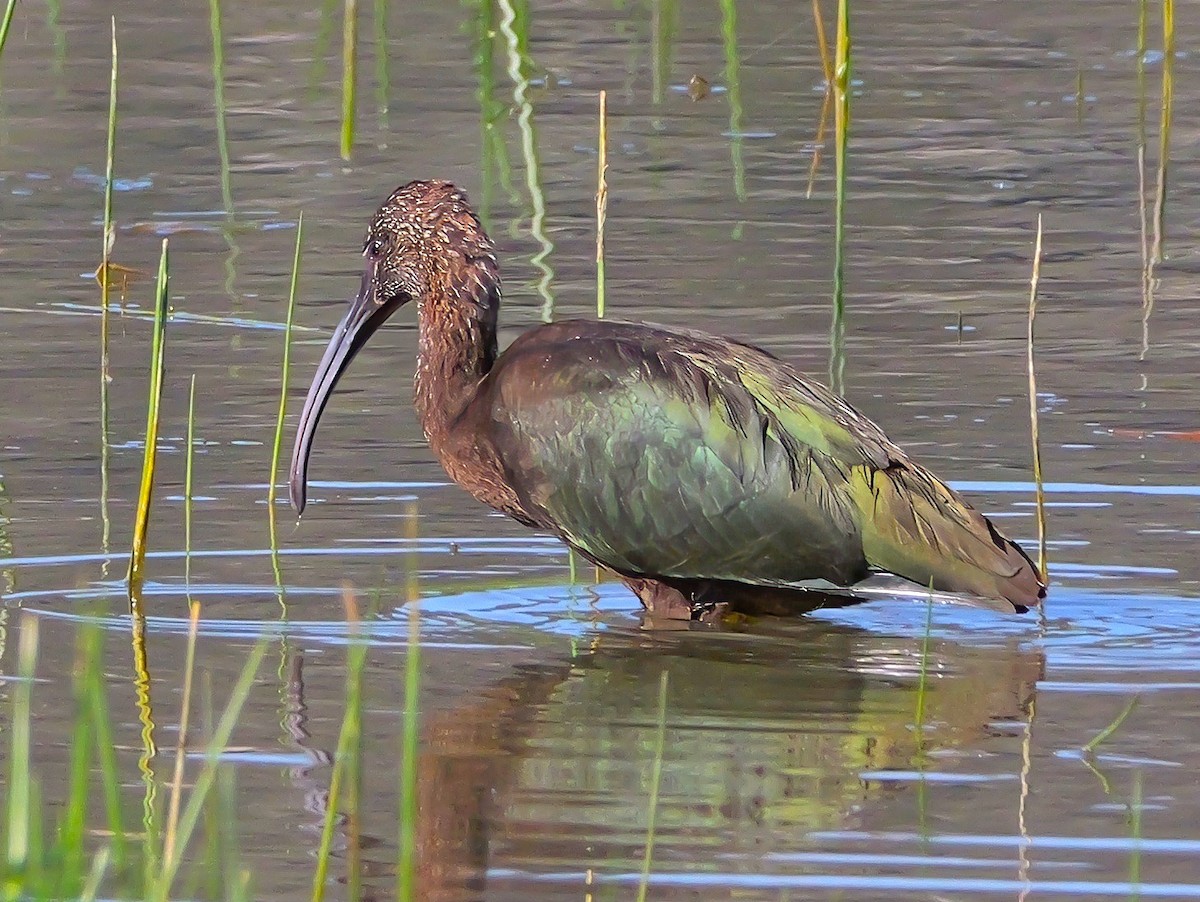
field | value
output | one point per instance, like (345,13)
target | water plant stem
(1034,431)
(1164,131)
(841,120)
(601,203)
(137,556)
(826,99)
(1106,734)
(107,237)
(285,369)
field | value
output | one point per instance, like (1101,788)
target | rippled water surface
(800,759)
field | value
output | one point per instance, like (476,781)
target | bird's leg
(683,601)
(660,599)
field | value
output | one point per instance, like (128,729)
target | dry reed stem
(1035,433)
(601,203)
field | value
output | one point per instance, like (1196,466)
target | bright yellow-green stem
(841,107)
(137,556)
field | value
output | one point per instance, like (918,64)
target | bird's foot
(665,602)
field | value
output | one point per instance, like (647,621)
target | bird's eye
(374,248)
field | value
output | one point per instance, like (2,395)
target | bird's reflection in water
(768,733)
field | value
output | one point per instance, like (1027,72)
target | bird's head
(424,244)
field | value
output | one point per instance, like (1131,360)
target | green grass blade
(74,825)
(349,74)
(137,556)
(97,705)
(6,23)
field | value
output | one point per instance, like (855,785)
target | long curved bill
(367,312)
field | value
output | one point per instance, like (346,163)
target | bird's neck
(457,344)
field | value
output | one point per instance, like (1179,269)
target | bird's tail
(917,527)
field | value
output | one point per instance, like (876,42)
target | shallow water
(792,768)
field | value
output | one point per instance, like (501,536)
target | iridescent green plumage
(687,456)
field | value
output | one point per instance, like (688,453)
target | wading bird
(703,472)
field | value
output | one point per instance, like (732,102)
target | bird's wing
(682,455)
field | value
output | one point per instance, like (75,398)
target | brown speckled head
(426,237)
(424,244)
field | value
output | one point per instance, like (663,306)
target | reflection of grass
(494,153)
(406,867)
(189,456)
(54,26)
(382,80)
(218,68)
(664,16)
(6,545)
(733,87)
(514,26)
(1135,837)
(655,782)
(346,764)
